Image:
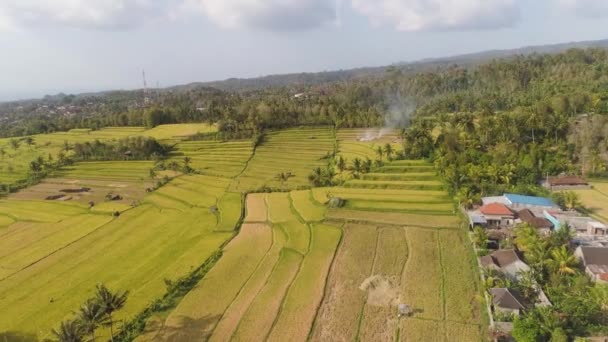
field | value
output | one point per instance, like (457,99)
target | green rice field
(291,267)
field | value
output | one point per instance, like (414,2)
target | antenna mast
(146,97)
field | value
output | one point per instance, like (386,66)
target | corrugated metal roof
(530,200)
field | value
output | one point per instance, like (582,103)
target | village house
(497,215)
(564,182)
(595,260)
(506,261)
(506,302)
(542,224)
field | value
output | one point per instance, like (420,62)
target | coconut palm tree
(563,261)
(379,152)
(69,331)
(480,237)
(341,164)
(110,302)
(316,176)
(357,166)
(538,256)
(571,200)
(90,316)
(388,151)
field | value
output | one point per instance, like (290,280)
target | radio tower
(146,97)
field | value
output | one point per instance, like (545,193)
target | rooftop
(537,222)
(530,200)
(500,258)
(496,209)
(507,299)
(595,255)
(566,180)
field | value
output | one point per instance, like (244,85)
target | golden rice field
(14,162)
(296,271)
(55,252)
(296,150)
(596,199)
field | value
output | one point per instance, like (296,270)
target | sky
(72,46)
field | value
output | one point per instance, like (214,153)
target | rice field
(596,199)
(363,143)
(55,252)
(217,158)
(297,270)
(14,162)
(297,151)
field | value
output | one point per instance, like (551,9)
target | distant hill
(307,79)
(302,80)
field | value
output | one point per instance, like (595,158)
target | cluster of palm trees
(94,313)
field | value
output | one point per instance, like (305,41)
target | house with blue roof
(517,202)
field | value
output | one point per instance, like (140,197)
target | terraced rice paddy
(274,288)
(14,163)
(297,270)
(363,142)
(57,251)
(224,159)
(297,151)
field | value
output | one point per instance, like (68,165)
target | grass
(299,308)
(230,211)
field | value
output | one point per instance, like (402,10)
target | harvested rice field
(283,265)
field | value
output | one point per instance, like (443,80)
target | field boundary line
(371,223)
(274,267)
(325,287)
(58,249)
(257,267)
(443,287)
(280,310)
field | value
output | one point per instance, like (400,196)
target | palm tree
(388,151)
(356,167)
(69,331)
(91,316)
(187,161)
(480,237)
(562,236)
(571,200)
(341,164)
(316,176)
(379,152)
(110,302)
(562,261)
(538,256)
(526,237)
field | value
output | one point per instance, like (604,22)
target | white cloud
(268,14)
(587,8)
(416,15)
(92,14)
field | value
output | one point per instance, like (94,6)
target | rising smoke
(398,115)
